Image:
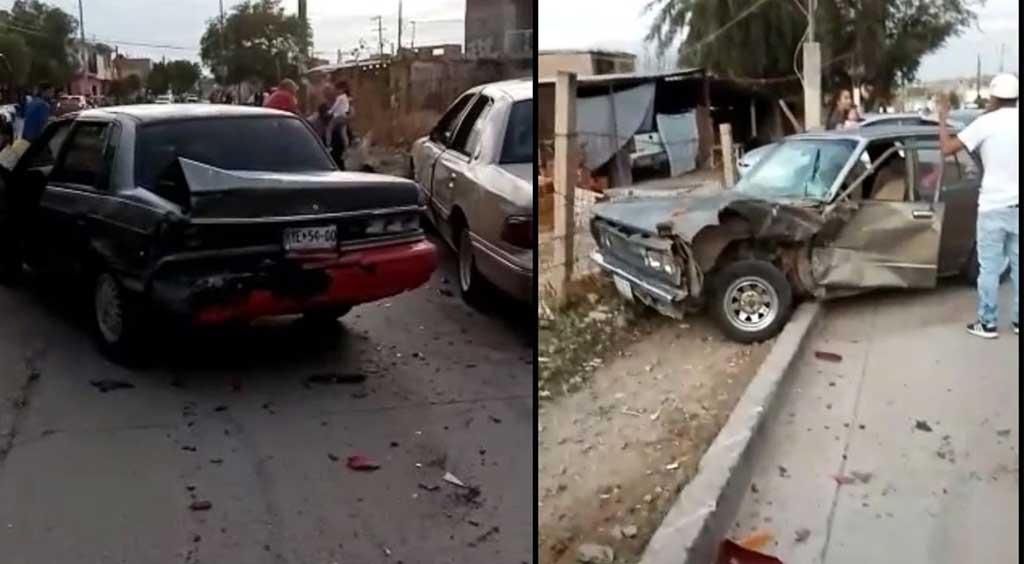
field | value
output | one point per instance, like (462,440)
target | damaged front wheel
(752,301)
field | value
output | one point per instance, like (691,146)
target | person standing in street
(842,104)
(284,97)
(338,132)
(994,136)
(37,113)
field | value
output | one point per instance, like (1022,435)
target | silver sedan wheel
(750,303)
(465,260)
(108,308)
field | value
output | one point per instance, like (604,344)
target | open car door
(891,240)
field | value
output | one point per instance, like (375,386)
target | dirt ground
(616,447)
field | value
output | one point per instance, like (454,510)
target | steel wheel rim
(465,261)
(751,303)
(107,302)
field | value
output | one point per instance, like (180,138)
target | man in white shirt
(338,133)
(994,136)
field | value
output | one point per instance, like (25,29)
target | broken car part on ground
(823,215)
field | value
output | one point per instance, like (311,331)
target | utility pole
(81,20)
(977,85)
(399,26)
(380,35)
(812,74)
(303,55)
(1002,51)
(412,44)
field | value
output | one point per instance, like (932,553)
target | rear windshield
(272,144)
(518,144)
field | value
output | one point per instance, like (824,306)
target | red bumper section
(356,277)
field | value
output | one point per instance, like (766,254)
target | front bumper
(639,284)
(293,285)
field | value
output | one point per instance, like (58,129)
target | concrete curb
(701,516)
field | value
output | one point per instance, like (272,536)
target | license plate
(624,288)
(311,238)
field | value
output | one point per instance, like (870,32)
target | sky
(173,28)
(621,25)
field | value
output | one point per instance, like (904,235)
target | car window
(799,169)
(445,127)
(43,153)
(471,125)
(518,144)
(82,163)
(271,144)
(930,163)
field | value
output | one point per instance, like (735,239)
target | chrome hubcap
(108,308)
(465,261)
(751,304)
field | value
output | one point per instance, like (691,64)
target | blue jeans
(998,238)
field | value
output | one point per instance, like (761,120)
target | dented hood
(689,214)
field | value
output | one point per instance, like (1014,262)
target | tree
(125,88)
(876,43)
(260,42)
(182,76)
(159,80)
(15,62)
(47,32)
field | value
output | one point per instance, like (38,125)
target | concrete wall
(489,23)
(548,64)
(402,100)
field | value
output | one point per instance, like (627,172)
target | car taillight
(518,231)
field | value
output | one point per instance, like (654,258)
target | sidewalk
(918,420)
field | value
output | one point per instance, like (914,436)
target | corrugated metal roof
(629,77)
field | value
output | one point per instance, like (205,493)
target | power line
(34,31)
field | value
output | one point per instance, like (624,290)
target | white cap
(1004,86)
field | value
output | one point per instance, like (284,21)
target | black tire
(325,318)
(118,320)
(741,290)
(472,285)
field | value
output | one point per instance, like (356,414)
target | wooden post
(728,163)
(565,180)
(789,114)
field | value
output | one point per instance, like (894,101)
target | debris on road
(429,487)
(220,408)
(451,479)
(216,461)
(332,378)
(783,472)
(802,534)
(1003,432)
(862,477)
(828,356)
(922,425)
(361,462)
(629,531)
(200,505)
(590,553)
(333,457)
(843,479)
(107,385)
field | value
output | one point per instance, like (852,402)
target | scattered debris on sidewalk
(828,356)
(922,425)
(1003,433)
(107,385)
(802,534)
(732,553)
(332,378)
(783,472)
(451,479)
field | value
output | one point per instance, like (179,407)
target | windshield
(272,144)
(518,144)
(798,169)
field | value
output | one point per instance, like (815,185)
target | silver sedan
(475,170)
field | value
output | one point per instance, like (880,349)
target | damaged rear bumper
(246,288)
(663,297)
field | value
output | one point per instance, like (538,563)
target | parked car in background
(164,99)
(212,214)
(475,169)
(748,160)
(822,215)
(68,104)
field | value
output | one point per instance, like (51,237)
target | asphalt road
(230,417)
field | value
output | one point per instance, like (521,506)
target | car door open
(891,240)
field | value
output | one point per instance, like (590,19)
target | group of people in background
(332,117)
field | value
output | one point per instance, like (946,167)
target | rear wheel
(472,284)
(752,301)
(118,320)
